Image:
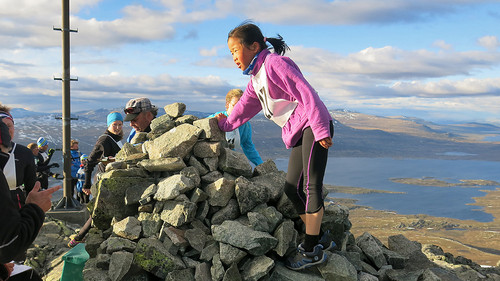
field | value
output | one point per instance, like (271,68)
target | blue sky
(433,59)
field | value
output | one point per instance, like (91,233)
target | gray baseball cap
(135,106)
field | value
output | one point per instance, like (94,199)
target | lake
(375,173)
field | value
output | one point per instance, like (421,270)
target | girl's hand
(86,191)
(326,142)
(220,116)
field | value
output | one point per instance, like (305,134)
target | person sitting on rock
(140,112)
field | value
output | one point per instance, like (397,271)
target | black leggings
(306,169)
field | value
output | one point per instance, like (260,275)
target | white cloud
(348,12)
(210,52)
(489,42)
(442,45)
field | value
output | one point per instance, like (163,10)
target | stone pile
(179,205)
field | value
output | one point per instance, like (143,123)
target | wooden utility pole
(67,202)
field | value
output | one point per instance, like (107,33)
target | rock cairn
(179,205)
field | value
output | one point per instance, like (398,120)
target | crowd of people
(277,87)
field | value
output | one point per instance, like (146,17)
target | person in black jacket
(105,149)
(44,156)
(20,171)
(19,226)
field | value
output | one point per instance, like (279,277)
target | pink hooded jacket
(285,81)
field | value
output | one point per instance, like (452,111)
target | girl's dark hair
(248,33)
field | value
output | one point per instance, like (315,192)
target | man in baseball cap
(140,112)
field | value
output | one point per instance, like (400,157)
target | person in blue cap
(44,156)
(80,177)
(106,147)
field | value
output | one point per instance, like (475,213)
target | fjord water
(375,173)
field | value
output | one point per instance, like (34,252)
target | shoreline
(478,241)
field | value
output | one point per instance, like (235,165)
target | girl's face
(242,55)
(116,127)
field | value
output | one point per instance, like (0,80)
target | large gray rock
(129,228)
(178,213)
(230,255)
(210,129)
(220,192)
(229,212)
(338,268)
(232,273)
(234,163)
(234,233)
(175,110)
(256,268)
(117,244)
(171,187)
(206,149)
(153,257)
(265,168)
(287,238)
(177,142)
(151,224)
(160,125)
(170,164)
(410,249)
(110,199)
(274,182)
(372,250)
(336,219)
(119,265)
(249,194)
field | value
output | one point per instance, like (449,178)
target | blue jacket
(80,175)
(246,143)
(75,162)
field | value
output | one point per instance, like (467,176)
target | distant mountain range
(356,135)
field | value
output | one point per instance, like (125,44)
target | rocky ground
(477,241)
(191,209)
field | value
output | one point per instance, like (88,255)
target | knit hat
(135,106)
(4,134)
(41,142)
(114,116)
(84,157)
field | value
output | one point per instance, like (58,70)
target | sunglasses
(132,110)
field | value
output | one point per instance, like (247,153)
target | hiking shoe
(73,242)
(327,241)
(302,259)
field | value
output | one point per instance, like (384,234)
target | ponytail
(279,45)
(248,33)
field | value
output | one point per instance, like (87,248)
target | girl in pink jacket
(278,88)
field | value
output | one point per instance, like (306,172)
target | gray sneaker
(302,259)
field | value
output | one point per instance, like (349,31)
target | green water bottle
(74,262)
